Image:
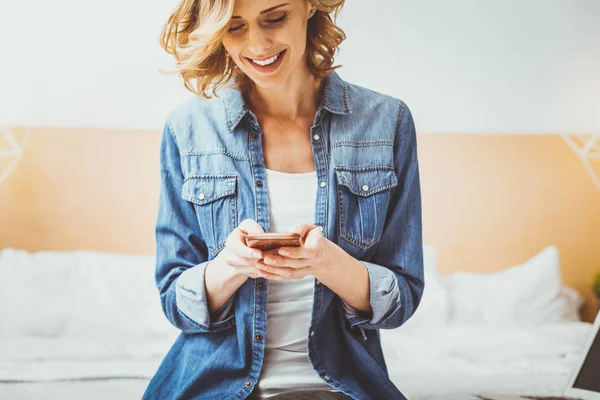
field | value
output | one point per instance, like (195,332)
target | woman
(284,145)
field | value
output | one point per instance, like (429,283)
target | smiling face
(267,39)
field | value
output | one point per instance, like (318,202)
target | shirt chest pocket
(214,200)
(363,201)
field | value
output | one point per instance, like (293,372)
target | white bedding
(461,360)
(444,363)
(89,325)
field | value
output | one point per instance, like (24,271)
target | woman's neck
(296,99)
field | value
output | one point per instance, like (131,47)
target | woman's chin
(271,82)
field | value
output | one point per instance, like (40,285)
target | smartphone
(272,240)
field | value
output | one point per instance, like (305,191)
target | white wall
(468,66)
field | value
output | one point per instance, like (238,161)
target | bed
(88,324)
(452,363)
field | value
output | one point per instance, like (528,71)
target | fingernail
(256,255)
(284,252)
(270,260)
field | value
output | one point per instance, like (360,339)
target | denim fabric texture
(368,202)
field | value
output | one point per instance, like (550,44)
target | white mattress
(449,362)
(462,360)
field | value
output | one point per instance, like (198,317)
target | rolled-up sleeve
(181,253)
(396,269)
(384,294)
(190,295)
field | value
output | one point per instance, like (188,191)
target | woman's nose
(258,42)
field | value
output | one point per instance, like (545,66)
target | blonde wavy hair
(194,33)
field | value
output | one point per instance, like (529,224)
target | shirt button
(253,135)
(260,285)
(258,337)
(316,137)
(327,377)
(365,187)
(259,183)
(318,283)
(322,184)
(248,383)
(312,333)
(201,196)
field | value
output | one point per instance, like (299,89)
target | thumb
(250,226)
(303,227)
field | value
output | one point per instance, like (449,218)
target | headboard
(489,201)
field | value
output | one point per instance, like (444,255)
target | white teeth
(267,61)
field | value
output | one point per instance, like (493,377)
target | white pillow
(572,304)
(33,299)
(114,295)
(433,310)
(94,295)
(525,294)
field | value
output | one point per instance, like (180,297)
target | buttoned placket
(262,212)
(319,149)
(320,158)
(259,322)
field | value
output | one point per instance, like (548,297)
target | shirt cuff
(384,294)
(190,294)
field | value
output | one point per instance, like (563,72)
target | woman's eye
(270,21)
(235,28)
(278,20)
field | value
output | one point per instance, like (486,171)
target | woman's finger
(236,261)
(282,271)
(242,265)
(285,273)
(295,252)
(268,275)
(303,227)
(285,262)
(311,242)
(235,242)
(313,238)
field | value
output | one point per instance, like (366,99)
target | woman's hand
(238,258)
(343,274)
(232,267)
(290,262)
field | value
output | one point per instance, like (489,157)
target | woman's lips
(271,67)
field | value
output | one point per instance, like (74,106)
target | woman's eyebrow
(265,11)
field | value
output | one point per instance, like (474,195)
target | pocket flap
(366,182)
(201,190)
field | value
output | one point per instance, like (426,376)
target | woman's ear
(313,9)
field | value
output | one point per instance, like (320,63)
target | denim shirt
(368,202)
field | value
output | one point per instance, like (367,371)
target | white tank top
(286,366)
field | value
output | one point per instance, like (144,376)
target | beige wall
(83,189)
(489,201)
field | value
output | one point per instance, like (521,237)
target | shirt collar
(335,100)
